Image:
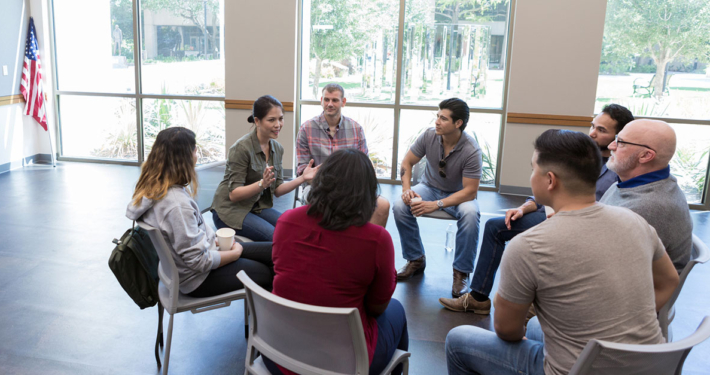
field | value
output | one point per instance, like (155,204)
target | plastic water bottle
(450,238)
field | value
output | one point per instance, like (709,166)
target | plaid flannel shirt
(315,142)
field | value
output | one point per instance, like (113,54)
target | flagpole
(51,148)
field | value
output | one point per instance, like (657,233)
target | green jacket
(245,165)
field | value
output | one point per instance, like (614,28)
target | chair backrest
(167,270)
(303,338)
(699,254)
(609,358)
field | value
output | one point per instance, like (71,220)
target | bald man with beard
(640,156)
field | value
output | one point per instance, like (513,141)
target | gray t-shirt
(463,161)
(589,275)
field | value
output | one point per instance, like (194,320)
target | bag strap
(133,230)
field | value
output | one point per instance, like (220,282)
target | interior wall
(22,136)
(260,53)
(554,69)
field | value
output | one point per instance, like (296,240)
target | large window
(657,66)
(448,49)
(104,111)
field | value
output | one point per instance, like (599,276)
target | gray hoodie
(190,240)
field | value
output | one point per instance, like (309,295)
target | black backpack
(134,262)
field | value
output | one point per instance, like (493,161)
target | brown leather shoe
(412,268)
(460,286)
(466,303)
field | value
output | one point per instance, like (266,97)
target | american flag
(31,85)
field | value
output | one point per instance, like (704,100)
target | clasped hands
(418,207)
(268,177)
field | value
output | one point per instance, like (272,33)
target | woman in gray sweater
(163,199)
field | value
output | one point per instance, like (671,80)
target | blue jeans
(256,227)
(474,350)
(468,218)
(391,335)
(495,235)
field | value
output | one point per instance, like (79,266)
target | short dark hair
(262,106)
(459,110)
(573,156)
(344,191)
(333,87)
(620,114)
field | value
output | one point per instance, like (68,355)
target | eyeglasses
(442,164)
(619,141)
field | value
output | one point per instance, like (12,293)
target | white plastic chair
(175,302)
(699,254)
(609,358)
(306,339)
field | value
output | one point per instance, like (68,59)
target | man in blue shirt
(498,231)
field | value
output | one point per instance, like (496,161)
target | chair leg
(246,320)
(159,337)
(166,359)
(405,367)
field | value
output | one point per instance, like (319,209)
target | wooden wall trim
(12,99)
(248,104)
(534,118)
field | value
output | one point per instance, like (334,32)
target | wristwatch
(261,183)
(440,203)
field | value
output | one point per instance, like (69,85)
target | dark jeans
(391,335)
(255,261)
(256,227)
(495,235)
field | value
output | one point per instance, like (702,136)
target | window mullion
(137,66)
(398,89)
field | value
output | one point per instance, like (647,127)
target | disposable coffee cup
(416,199)
(225,238)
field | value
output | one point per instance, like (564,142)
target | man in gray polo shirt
(450,183)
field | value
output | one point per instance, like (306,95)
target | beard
(620,166)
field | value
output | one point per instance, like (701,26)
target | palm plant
(122,141)
(690,168)
(488,169)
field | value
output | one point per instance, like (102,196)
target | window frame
(397,106)
(138,95)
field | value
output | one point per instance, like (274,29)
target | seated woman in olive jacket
(254,175)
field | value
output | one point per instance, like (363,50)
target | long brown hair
(169,163)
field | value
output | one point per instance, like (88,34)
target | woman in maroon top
(328,254)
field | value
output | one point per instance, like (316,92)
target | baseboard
(515,190)
(34,159)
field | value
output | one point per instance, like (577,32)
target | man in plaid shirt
(331,131)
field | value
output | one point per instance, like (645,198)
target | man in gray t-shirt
(582,288)
(450,183)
